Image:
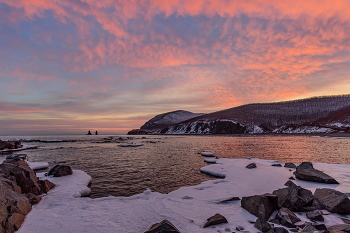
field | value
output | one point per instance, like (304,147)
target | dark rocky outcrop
(333,201)
(163,227)
(287,218)
(294,197)
(215,220)
(261,206)
(251,165)
(311,174)
(60,170)
(262,225)
(315,215)
(290,165)
(10,145)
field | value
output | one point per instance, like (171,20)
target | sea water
(173,161)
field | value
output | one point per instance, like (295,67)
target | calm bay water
(174,161)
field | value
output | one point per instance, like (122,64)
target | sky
(69,66)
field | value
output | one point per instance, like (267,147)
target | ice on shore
(187,208)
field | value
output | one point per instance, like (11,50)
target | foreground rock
(262,225)
(333,201)
(294,198)
(10,145)
(287,218)
(311,174)
(261,206)
(215,220)
(163,227)
(60,170)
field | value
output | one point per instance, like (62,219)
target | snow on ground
(38,165)
(187,208)
(24,147)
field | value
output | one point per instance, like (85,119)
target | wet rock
(290,183)
(305,165)
(311,174)
(22,174)
(262,225)
(294,198)
(290,165)
(339,228)
(333,201)
(280,230)
(309,227)
(60,170)
(251,165)
(163,227)
(261,206)
(287,218)
(215,220)
(276,165)
(315,215)
(45,185)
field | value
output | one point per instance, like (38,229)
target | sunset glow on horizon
(68,66)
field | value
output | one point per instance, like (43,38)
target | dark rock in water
(315,215)
(333,201)
(276,165)
(280,230)
(251,165)
(261,206)
(287,218)
(290,183)
(305,165)
(45,185)
(290,165)
(24,176)
(311,174)
(320,227)
(215,220)
(294,197)
(309,227)
(262,225)
(339,228)
(163,227)
(60,170)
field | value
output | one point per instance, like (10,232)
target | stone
(33,199)
(229,200)
(15,158)
(276,165)
(315,215)
(10,145)
(24,176)
(291,178)
(311,174)
(14,222)
(287,218)
(45,185)
(262,206)
(345,220)
(290,183)
(163,227)
(280,230)
(320,227)
(294,197)
(251,165)
(309,227)
(333,201)
(215,220)
(290,165)
(262,225)
(305,165)
(240,228)
(60,170)
(341,227)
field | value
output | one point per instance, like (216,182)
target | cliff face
(314,115)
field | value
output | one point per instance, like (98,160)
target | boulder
(290,183)
(333,201)
(311,174)
(10,145)
(60,170)
(339,228)
(45,185)
(315,215)
(261,206)
(309,227)
(15,158)
(305,165)
(290,165)
(294,197)
(24,176)
(280,230)
(33,199)
(287,218)
(215,220)
(262,225)
(163,227)
(276,165)
(251,165)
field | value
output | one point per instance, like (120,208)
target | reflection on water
(174,161)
